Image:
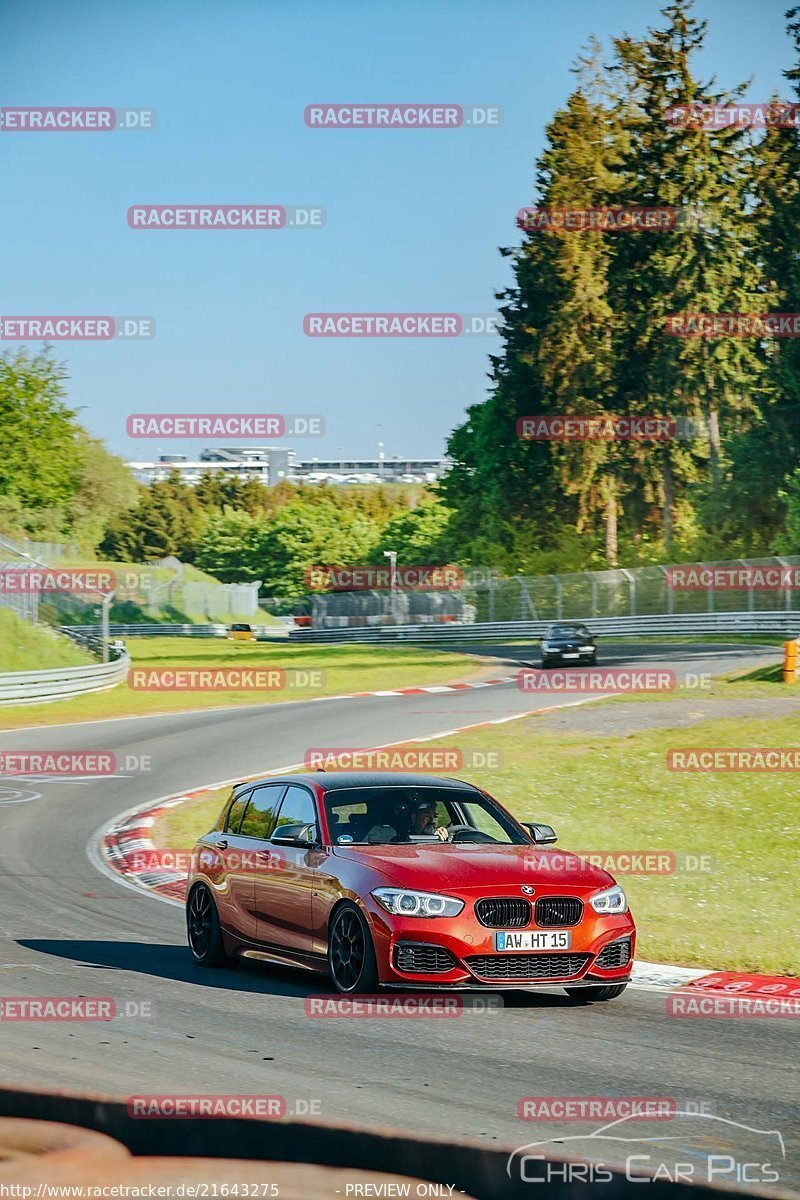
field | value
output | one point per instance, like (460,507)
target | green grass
(28,647)
(765,682)
(345,669)
(616,793)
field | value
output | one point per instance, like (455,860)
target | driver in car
(423,820)
(415,818)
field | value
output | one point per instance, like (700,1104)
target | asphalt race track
(66,930)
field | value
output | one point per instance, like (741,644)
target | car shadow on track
(176,964)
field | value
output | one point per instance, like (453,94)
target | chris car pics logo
(699,1148)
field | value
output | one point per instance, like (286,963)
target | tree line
(585,330)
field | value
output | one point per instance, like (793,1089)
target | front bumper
(459,952)
(569,656)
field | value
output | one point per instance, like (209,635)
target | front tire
(203,930)
(581,994)
(351,954)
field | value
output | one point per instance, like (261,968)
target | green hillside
(27,647)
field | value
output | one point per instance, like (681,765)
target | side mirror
(304,836)
(542,835)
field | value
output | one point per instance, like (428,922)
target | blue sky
(414,219)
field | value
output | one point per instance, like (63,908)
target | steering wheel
(466,833)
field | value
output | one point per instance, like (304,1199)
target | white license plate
(557,939)
(570,655)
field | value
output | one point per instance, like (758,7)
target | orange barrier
(53,1147)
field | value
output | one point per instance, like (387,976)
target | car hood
(435,868)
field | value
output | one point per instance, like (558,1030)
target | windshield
(568,631)
(375,816)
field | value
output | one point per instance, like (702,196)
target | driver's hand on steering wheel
(442,834)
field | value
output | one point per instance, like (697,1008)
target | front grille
(527,966)
(558,910)
(503,913)
(615,954)
(421,959)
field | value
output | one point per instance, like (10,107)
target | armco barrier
(60,683)
(462,1166)
(163,630)
(784,624)
(262,632)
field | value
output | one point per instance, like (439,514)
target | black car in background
(568,642)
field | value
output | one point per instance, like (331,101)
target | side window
(297,810)
(235,812)
(259,819)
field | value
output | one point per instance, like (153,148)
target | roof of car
(333,781)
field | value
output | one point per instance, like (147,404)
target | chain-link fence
(733,585)
(221,601)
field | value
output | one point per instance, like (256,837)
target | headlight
(417,904)
(612,900)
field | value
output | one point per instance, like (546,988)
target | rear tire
(351,954)
(582,994)
(203,929)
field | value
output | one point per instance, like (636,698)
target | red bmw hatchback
(405,881)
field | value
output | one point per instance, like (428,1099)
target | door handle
(222,845)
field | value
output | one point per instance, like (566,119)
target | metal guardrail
(163,630)
(87,632)
(664,624)
(60,683)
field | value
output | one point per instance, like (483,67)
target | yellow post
(790,661)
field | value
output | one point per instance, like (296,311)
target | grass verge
(28,647)
(344,669)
